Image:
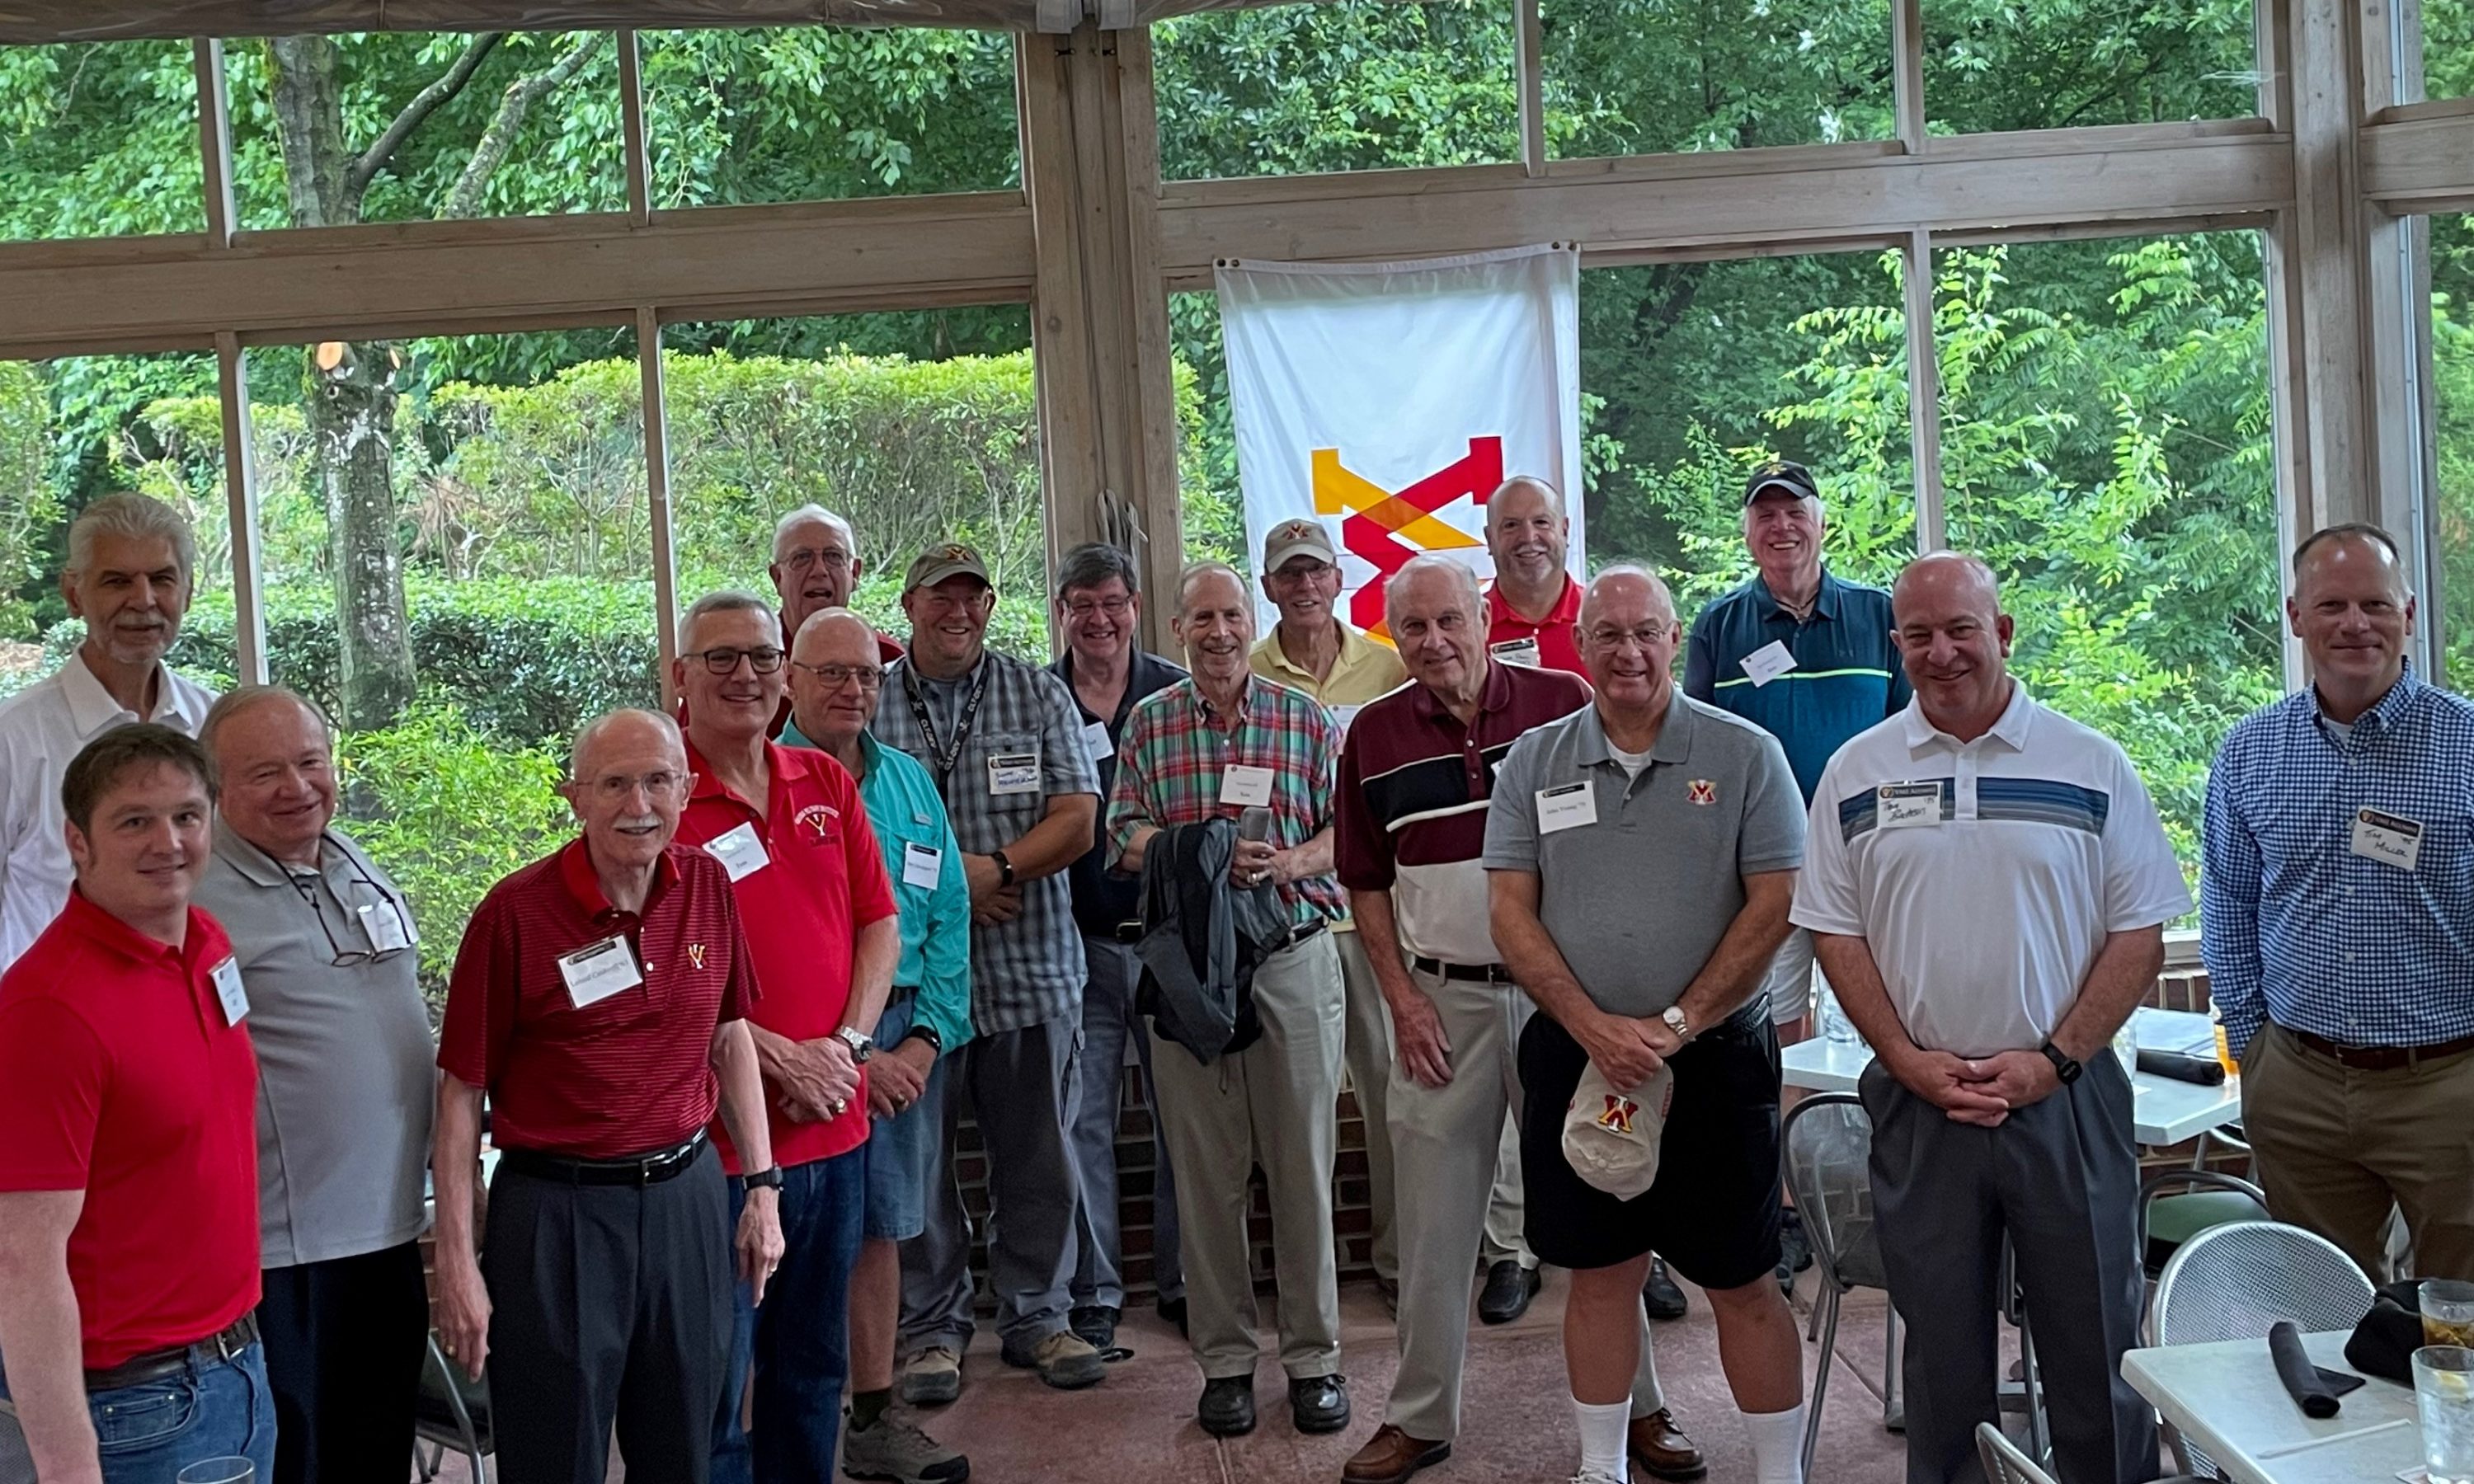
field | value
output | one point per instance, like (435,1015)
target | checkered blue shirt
(2298,929)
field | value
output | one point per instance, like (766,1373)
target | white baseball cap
(1611,1137)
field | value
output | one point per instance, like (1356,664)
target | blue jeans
(798,1343)
(148,1434)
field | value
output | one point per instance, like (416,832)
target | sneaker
(1096,1323)
(1064,1360)
(1594,1476)
(933,1378)
(897,1452)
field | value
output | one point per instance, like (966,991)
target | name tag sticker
(1095,741)
(1241,784)
(228,991)
(1015,773)
(1767,663)
(388,932)
(2391,839)
(922,865)
(740,852)
(595,973)
(1515,651)
(1567,807)
(1907,805)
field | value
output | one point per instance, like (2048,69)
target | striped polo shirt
(1846,677)
(1414,788)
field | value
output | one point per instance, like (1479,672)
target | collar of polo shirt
(2011,726)
(575,869)
(1674,742)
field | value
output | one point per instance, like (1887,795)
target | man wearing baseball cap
(1003,743)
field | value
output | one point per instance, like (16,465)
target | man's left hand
(898,1075)
(2018,1078)
(1002,905)
(760,1239)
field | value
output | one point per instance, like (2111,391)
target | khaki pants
(2335,1147)
(1369,1074)
(1273,1103)
(1445,1143)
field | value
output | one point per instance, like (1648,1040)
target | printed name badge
(1767,663)
(1567,807)
(387,930)
(1905,805)
(1243,785)
(922,865)
(1515,651)
(2391,839)
(1015,773)
(1095,741)
(740,852)
(228,989)
(594,973)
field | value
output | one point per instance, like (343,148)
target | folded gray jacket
(1201,939)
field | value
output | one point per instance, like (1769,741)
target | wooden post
(1923,393)
(240,507)
(657,493)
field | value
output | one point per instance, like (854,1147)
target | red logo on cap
(1619,1113)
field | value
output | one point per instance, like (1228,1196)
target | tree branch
(428,101)
(491,150)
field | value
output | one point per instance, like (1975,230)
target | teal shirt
(903,809)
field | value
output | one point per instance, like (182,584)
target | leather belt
(2378,1059)
(225,1344)
(1293,936)
(649,1169)
(1472,973)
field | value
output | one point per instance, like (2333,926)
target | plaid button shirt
(2298,929)
(1027,972)
(1173,753)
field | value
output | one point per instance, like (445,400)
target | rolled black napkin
(2314,1390)
(2205,1071)
(2384,1342)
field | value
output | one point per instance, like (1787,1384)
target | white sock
(1778,1446)
(1602,1433)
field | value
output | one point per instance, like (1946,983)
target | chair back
(1828,1143)
(2003,1462)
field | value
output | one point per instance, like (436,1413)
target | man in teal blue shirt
(836,674)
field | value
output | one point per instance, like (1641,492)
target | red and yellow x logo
(1388,527)
(1619,1113)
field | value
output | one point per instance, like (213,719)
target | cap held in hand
(1611,1137)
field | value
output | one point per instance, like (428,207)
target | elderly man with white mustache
(132,571)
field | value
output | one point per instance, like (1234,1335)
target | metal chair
(2207,1199)
(451,1412)
(1829,1142)
(2003,1463)
(2234,1281)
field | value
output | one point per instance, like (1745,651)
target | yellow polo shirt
(1364,669)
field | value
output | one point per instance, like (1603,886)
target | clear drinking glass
(1835,1026)
(2447,1311)
(2444,1385)
(220,1470)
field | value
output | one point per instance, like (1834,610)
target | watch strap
(1005,867)
(767,1178)
(2063,1065)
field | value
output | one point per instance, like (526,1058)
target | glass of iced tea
(2447,1311)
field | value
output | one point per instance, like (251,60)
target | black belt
(649,1169)
(1293,936)
(225,1344)
(2379,1058)
(1472,973)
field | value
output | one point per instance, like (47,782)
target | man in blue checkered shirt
(2338,921)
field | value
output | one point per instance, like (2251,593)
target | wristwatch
(769,1178)
(928,1034)
(1673,1015)
(861,1046)
(1004,869)
(2062,1066)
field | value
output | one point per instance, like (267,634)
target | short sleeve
(1324,772)
(1065,765)
(53,1073)
(1361,847)
(740,990)
(480,1017)
(1772,838)
(1129,807)
(2143,880)
(1512,813)
(1700,665)
(1826,897)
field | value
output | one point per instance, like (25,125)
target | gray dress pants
(1109,1027)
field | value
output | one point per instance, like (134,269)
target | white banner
(1389,399)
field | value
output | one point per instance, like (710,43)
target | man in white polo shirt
(1987,884)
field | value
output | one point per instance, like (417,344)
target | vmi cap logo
(1619,1114)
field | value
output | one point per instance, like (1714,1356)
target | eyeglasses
(1114,608)
(830,560)
(722,662)
(373,899)
(617,786)
(836,675)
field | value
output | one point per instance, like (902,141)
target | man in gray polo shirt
(1641,857)
(325,944)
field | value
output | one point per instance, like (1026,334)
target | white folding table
(2225,1398)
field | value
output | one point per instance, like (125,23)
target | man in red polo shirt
(128,1145)
(788,824)
(600,1000)
(1532,602)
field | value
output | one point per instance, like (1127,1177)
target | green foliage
(28,507)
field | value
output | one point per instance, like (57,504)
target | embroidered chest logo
(1701,791)
(817,820)
(1619,1113)
(695,955)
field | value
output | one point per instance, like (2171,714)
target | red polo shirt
(823,879)
(622,1076)
(1556,650)
(119,1077)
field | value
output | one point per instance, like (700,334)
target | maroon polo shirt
(1556,650)
(120,1077)
(1414,788)
(622,1076)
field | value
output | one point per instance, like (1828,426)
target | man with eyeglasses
(600,1000)
(835,679)
(325,946)
(788,826)
(816,567)
(1005,744)
(1100,608)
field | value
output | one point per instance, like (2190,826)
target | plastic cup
(2443,1389)
(2447,1311)
(220,1470)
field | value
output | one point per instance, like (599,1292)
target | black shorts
(1713,1211)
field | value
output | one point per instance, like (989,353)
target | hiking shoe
(896,1451)
(1064,1360)
(933,1378)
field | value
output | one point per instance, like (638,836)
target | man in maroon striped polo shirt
(1415,778)
(600,999)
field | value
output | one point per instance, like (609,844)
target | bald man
(1995,1113)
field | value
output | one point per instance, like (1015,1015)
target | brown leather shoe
(1660,1448)
(1392,1455)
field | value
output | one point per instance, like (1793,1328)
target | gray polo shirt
(1639,878)
(345,1058)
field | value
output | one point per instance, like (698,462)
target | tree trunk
(352,419)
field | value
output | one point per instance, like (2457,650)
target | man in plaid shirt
(1205,748)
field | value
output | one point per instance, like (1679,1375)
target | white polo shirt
(42,728)
(1984,875)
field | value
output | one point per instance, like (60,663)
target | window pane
(861,414)
(1630,76)
(2106,448)
(1992,65)
(527,124)
(2447,48)
(827,112)
(99,139)
(2452,357)
(1353,85)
